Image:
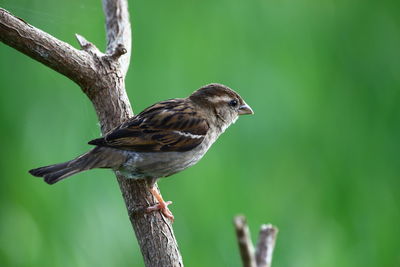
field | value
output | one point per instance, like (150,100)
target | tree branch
(102,79)
(58,55)
(265,247)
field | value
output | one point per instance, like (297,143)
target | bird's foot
(163,207)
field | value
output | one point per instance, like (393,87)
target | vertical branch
(118,30)
(154,234)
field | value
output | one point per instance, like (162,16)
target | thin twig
(266,245)
(244,240)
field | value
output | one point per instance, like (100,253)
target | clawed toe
(161,205)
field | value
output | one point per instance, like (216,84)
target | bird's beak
(245,109)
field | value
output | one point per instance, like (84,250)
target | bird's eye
(233,103)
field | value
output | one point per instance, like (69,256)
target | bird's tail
(96,158)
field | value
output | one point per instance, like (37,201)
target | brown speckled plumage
(166,126)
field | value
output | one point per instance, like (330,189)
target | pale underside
(153,165)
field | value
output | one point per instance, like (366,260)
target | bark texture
(101,77)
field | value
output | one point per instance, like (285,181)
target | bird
(160,141)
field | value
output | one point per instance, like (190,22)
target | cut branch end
(85,44)
(119,51)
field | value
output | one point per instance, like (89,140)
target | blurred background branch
(262,256)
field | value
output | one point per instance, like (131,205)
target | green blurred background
(319,159)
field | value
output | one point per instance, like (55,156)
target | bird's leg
(162,205)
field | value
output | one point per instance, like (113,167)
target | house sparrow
(162,140)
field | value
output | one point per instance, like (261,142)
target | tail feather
(39,172)
(54,177)
(95,158)
(56,172)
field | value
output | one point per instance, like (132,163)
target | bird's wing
(172,125)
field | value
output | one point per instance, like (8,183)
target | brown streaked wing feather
(172,125)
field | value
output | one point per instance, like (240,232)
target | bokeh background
(319,159)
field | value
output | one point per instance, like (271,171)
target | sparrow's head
(222,102)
